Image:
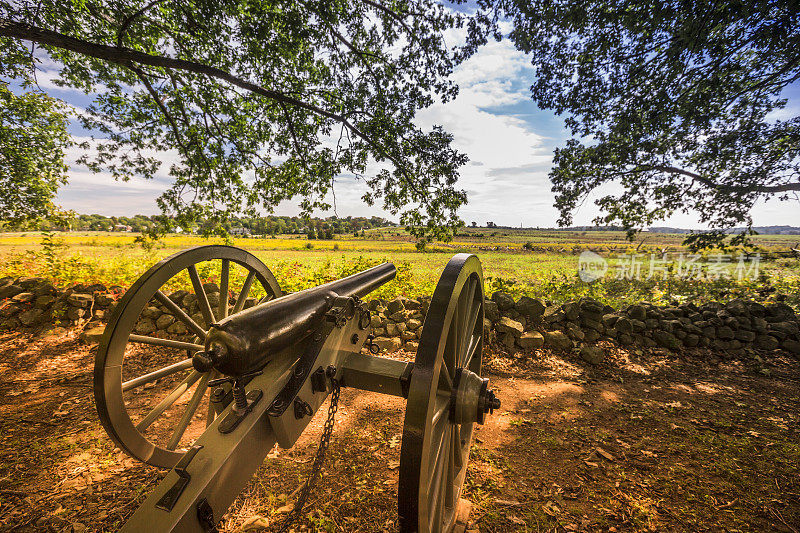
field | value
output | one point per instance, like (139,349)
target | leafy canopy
(33,136)
(260,100)
(676,102)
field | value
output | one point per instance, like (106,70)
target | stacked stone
(156,320)
(514,323)
(29,302)
(732,328)
(398,323)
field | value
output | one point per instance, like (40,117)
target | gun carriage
(262,372)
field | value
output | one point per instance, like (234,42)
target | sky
(494,121)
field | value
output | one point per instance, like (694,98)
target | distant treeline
(761,230)
(269,225)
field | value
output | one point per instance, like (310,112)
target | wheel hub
(471,398)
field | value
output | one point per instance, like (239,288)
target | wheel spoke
(449,489)
(169,343)
(157,374)
(439,473)
(248,282)
(202,297)
(224,280)
(470,330)
(473,346)
(445,378)
(194,402)
(465,301)
(171,398)
(180,314)
(441,409)
(266,298)
(458,450)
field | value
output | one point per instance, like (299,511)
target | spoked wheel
(446,397)
(149,397)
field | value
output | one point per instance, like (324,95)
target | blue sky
(509,141)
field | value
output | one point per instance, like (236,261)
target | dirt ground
(646,441)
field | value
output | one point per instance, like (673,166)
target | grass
(549,271)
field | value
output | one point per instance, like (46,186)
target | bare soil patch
(646,441)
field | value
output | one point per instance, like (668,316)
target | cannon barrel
(245,342)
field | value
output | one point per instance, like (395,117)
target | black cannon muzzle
(245,342)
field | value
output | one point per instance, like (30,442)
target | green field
(538,263)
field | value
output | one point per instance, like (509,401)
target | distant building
(240,231)
(121,227)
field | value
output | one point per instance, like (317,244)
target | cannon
(261,363)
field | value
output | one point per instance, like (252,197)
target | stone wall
(526,324)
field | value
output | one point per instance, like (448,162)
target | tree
(33,136)
(677,102)
(264,101)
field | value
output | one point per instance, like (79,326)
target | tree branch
(124,57)
(127,22)
(771,189)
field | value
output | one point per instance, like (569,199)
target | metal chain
(319,459)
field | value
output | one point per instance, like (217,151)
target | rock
(75,313)
(413,324)
(609,320)
(779,312)
(395,305)
(623,325)
(571,310)
(725,333)
(408,335)
(10,291)
(177,328)
(638,326)
(787,328)
(553,313)
(691,340)
(99,314)
(29,283)
(80,300)
(530,340)
(759,324)
(531,308)
(503,300)
(392,330)
(44,301)
(388,344)
(23,298)
(210,287)
(557,340)
(737,307)
(145,326)
(491,311)
(411,305)
(767,342)
(710,332)
(92,335)
(178,296)
(745,335)
(30,317)
(574,331)
(508,340)
(398,316)
(411,346)
(506,325)
(213,300)
(151,312)
(591,336)
(638,312)
(589,324)
(375,321)
(8,309)
(5,281)
(593,355)
(165,321)
(791,346)
(666,340)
